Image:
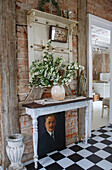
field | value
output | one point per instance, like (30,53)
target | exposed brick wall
(71,125)
(100,8)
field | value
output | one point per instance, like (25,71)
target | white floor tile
(67,152)
(98,138)
(85,164)
(102,154)
(85,153)
(52,153)
(71,145)
(83,145)
(110,138)
(110,145)
(96,133)
(65,162)
(109,133)
(105,165)
(107,128)
(100,145)
(46,161)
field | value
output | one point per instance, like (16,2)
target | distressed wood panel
(82,52)
(9,108)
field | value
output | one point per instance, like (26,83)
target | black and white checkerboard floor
(96,155)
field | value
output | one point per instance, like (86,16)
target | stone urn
(15,149)
(58,92)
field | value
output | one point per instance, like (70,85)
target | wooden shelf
(37,13)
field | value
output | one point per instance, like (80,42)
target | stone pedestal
(15,149)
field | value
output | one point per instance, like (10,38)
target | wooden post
(82,51)
(9,103)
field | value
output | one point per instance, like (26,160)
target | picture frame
(58,34)
(45,144)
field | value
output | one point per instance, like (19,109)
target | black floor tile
(74,167)
(110,126)
(102,130)
(57,156)
(94,158)
(92,141)
(108,149)
(32,166)
(76,148)
(109,158)
(92,149)
(54,166)
(104,136)
(107,142)
(95,167)
(75,157)
(93,135)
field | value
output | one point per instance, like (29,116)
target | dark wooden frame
(60,34)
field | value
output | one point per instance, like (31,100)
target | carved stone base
(16,167)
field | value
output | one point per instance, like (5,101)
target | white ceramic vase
(15,149)
(58,92)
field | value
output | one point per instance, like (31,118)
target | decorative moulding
(36,14)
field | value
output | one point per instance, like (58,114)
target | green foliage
(49,72)
(53,2)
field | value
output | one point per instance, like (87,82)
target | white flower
(69,80)
(68,67)
(49,69)
(54,83)
(45,59)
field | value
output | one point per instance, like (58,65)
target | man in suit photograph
(51,139)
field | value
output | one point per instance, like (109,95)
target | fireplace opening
(51,133)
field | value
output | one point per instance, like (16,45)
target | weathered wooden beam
(9,103)
(82,51)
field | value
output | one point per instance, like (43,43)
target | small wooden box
(96,97)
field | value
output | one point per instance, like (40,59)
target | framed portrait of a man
(51,133)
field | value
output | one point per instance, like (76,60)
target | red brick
(23,89)
(25,121)
(23,82)
(28,149)
(22,49)
(27,131)
(22,62)
(46,95)
(21,29)
(23,42)
(23,55)
(23,68)
(23,76)
(22,96)
(21,35)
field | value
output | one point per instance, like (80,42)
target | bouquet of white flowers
(49,72)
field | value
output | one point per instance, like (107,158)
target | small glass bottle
(65,13)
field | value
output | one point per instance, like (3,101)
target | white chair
(106,105)
(1,168)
